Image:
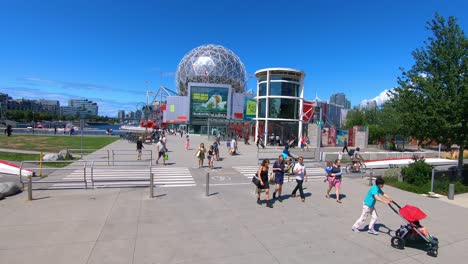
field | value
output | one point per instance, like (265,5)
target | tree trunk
(460,161)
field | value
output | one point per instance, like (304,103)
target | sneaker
(274,195)
(269,205)
(303,200)
(355,229)
(258,201)
(372,232)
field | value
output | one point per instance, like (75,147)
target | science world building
(213,64)
(210,81)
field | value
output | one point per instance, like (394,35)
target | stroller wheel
(433,252)
(398,242)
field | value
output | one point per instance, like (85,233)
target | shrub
(392,173)
(417,173)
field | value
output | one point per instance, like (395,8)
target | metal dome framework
(211,64)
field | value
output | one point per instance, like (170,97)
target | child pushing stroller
(413,231)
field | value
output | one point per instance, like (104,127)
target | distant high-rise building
(138,115)
(49,106)
(121,114)
(80,107)
(340,100)
(371,104)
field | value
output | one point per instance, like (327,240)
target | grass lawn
(22,157)
(54,143)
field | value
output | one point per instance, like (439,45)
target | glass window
(262,87)
(261,107)
(284,78)
(284,89)
(262,79)
(283,108)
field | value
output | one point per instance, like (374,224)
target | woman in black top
(211,154)
(139,147)
(263,176)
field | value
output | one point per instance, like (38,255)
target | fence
(87,180)
(109,154)
(380,155)
(272,153)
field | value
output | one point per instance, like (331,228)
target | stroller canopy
(412,213)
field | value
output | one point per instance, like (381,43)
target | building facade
(80,107)
(339,99)
(280,96)
(121,115)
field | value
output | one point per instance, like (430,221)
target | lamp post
(33,123)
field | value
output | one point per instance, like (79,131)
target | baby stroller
(410,233)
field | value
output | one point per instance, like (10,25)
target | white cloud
(380,99)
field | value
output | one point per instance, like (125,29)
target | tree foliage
(431,98)
(382,121)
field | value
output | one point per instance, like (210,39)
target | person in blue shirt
(374,194)
(286,154)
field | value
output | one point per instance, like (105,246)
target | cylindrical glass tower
(280,94)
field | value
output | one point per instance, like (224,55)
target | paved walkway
(182,225)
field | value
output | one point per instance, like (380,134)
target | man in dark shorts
(161,152)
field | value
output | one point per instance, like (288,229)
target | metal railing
(379,155)
(88,168)
(272,153)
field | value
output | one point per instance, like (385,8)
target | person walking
(187,142)
(161,149)
(234,149)
(374,194)
(216,150)
(278,170)
(200,153)
(139,147)
(345,146)
(164,141)
(211,156)
(301,173)
(264,185)
(334,180)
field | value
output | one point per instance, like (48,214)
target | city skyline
(113,52)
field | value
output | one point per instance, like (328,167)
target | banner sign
(341,135)
(250,108)
(209,102)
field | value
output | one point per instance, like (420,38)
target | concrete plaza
(182,225)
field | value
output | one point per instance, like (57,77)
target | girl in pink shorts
(334,180)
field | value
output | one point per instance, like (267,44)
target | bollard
(207,184)
(151,185)
(451,192)
(40,164)
(370,177)
(30,188)
(432,180)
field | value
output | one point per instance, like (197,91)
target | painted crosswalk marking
(110,177)
(249,172)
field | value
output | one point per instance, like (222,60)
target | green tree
(431,96)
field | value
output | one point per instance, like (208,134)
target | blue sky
(105,50)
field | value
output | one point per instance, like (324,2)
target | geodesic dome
(210,64)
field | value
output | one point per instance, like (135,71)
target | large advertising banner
(250,108)
(341,135)
(209,102)
(351,137)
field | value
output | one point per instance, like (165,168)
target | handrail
(87,164)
